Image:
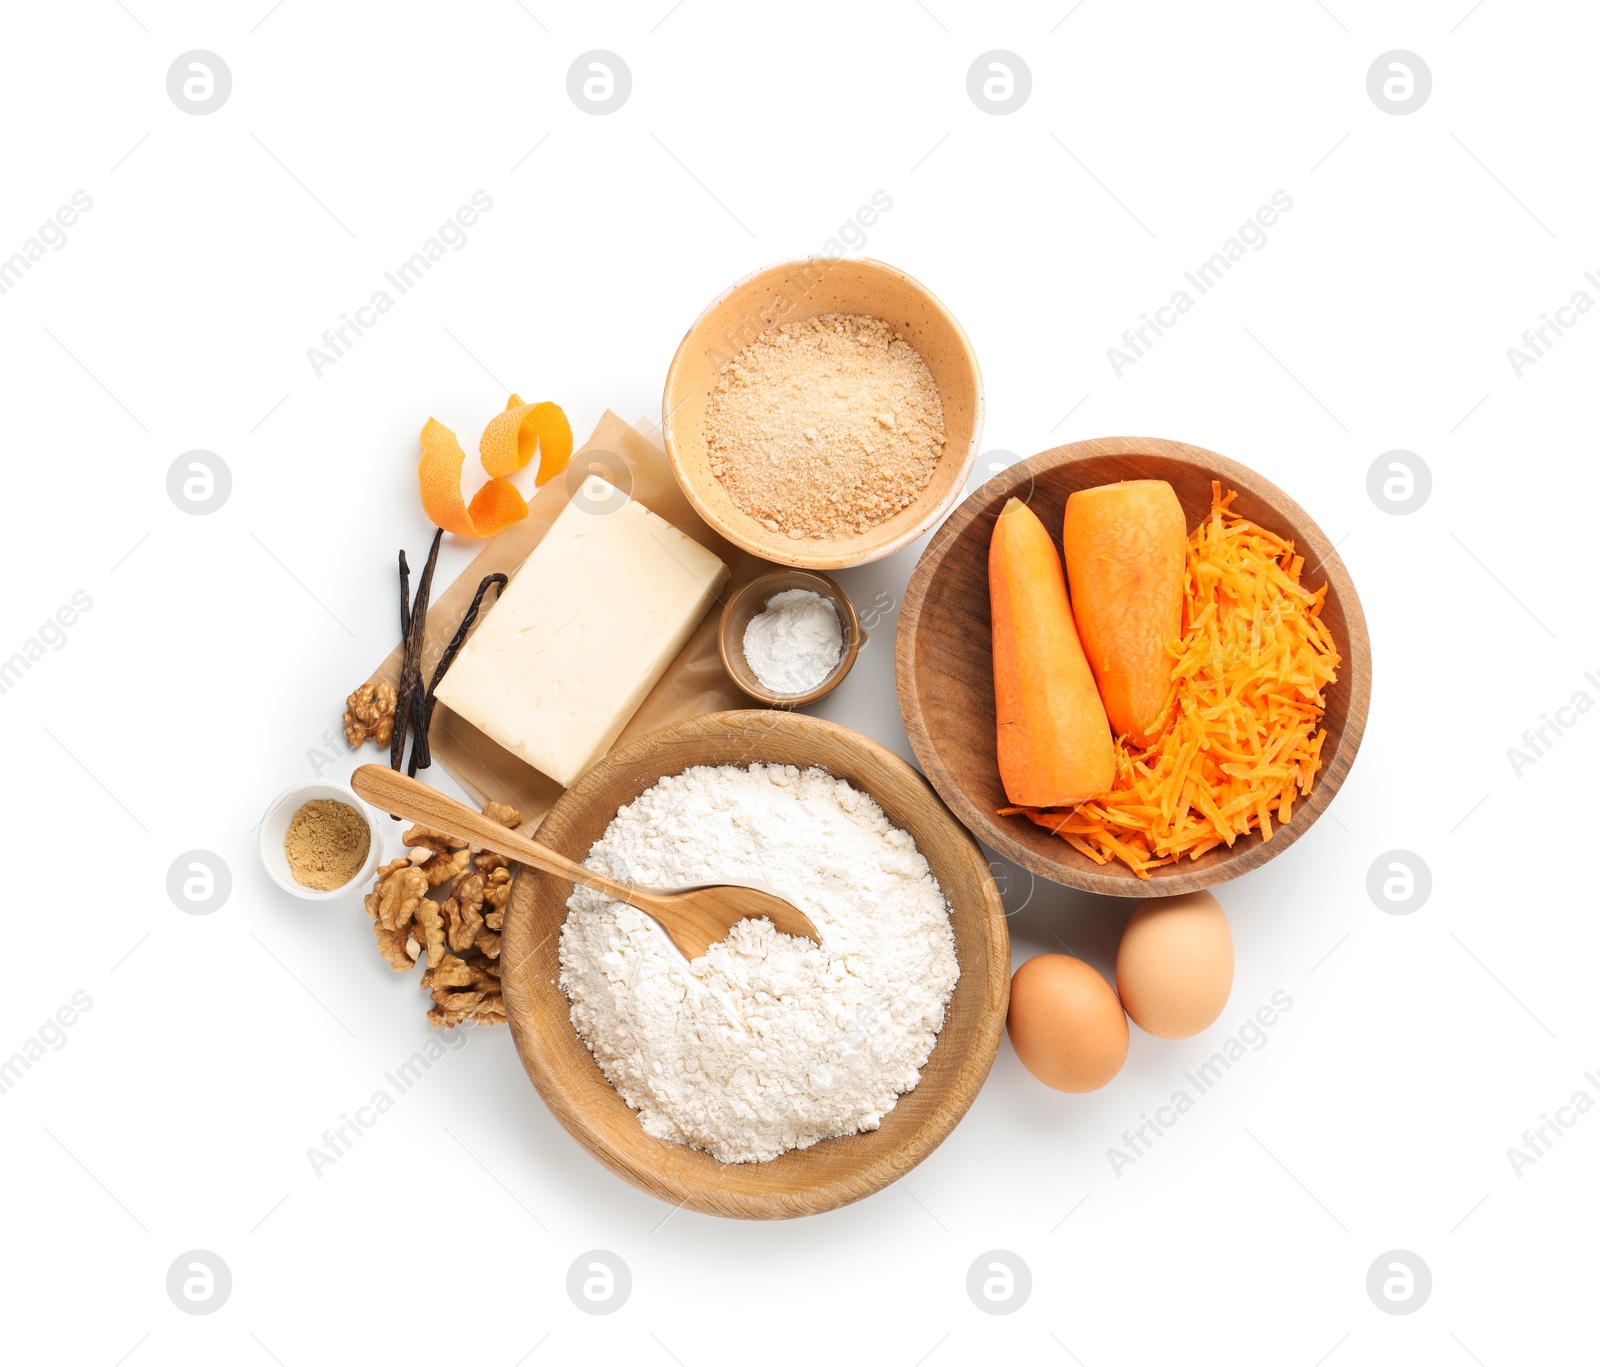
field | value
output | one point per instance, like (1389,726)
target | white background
(211,665)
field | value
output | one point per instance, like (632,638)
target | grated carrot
(1242,737)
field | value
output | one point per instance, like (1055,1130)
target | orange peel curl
(493,508)
(508,444)
(512,436)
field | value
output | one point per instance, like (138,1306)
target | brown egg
(1066,1023)
(1175,965)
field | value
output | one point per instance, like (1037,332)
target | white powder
(794,642)
(768,1042)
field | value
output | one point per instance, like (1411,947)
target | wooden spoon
(694,919)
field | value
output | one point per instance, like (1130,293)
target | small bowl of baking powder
(789,637)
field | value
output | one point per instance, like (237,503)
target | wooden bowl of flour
(790,293)
(833,1172)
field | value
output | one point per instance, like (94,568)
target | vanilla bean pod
(424,718)
(405,597)
(411,656)
(405,633)
(497,582)
(421,757)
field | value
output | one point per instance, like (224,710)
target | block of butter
(583,631)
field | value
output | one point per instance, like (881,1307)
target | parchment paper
(695,681)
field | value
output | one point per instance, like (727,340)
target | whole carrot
(1125,547)
(1052,740)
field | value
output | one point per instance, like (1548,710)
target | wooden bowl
(751,599)
(788,293)
(804,1181)
(944,671)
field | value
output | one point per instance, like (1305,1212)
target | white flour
(794,642)
(769,1042)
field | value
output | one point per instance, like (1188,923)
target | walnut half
(369,711)
(394,905)
(465,991)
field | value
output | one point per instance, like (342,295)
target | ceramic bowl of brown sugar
(823,412)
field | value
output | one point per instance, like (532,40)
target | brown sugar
(826,427)
(327,844)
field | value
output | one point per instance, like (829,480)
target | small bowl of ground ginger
(318,840)
(823,412)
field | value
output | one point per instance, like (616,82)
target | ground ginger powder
(327,844)
(824,428)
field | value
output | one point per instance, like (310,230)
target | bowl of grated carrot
(1255,701)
